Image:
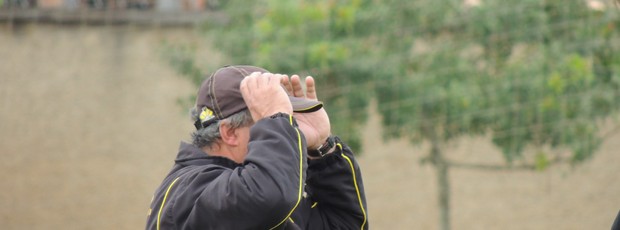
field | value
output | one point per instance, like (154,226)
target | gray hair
(209,135)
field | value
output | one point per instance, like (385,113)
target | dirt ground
(90,124)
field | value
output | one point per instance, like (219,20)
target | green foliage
(541,161)
(530,73)
(316,38)
(526,72)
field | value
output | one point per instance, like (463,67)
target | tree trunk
(441,166)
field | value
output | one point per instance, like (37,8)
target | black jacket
(616,224)
(276,187)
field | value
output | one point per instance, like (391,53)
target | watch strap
(329,143)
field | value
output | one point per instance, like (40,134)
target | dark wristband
(330,142)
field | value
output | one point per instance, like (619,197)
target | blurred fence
(140,12)
(160,5)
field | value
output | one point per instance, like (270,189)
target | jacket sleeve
(335,184)
(264,191)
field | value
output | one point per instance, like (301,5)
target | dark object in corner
(616,225)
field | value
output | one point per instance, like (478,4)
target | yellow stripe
(314,205)
(359,197)
(164,201)
(290,120)
(300,175)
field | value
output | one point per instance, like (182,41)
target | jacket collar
(189,154)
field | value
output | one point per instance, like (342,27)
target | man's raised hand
(264,95)
(314,125)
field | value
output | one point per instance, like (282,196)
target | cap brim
(301,105)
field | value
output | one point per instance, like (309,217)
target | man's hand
(315,125)
(264,95)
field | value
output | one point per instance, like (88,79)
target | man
(262,158)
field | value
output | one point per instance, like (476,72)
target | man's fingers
(277,79)
(264,95)
(263,79)
(243,86)
(298,91)
(246,89)
(287,85)
(292,86)
(310,88)
(249,82)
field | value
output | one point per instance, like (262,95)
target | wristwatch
(324,148)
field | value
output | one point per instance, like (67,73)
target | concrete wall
(89,125)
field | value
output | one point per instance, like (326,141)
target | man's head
(219,95)
(221,116)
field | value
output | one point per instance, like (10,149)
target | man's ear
(228,135)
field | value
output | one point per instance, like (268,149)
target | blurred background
(465,114)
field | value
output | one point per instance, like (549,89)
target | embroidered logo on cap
(206,115)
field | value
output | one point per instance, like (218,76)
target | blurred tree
(317,38)
(527,73)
